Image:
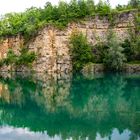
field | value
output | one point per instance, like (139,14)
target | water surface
(40,107)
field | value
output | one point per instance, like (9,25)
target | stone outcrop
(93,68)
(14,43)
(52,45)
(92,71)
(52,49)
(132,68)
(96,69)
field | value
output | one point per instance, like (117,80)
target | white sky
(7,6)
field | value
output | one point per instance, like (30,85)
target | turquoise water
(40,107)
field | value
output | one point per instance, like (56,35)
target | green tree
(81,50)
(99,51)
(114,58)
(46,13)
(30,21)
(25,58)
(73,9)
(11,58)
(103,8)
(134,3)
(83,8)
(91,7)
(127,49)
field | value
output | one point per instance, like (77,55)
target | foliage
(114,58)
(112,53)
(134,3)
(135,45)
(28,22)
(99,51)
(81,51)
(25,58)
(11,58)
(132,46)
(127,49)
(103,8)
(134,62)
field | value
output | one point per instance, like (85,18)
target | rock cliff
(52,45)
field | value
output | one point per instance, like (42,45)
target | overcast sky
(7,6)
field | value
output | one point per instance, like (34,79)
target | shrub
(11,58)
(114,58)
(28,22)
(81,51)
(134,42)
(25,58)
(134,3)
(103,8)
(1,63)
(132,45)
(126,45)
(99,51)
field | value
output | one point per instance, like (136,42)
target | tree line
(28,22)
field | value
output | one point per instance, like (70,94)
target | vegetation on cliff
(25,58)
(81,50)
(112,53)
(28,22)
(114,57)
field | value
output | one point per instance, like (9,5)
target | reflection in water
(41,107)
(10,133)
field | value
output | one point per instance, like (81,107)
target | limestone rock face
(14,43)
(132,68)
(52,45)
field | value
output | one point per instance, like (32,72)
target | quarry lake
(96,107)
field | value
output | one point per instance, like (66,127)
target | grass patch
(134,62)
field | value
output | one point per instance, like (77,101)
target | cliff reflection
(71,106)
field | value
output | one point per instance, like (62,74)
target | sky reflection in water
(38,107)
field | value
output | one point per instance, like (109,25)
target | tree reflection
(71,106)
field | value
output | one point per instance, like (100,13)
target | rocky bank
(52,45)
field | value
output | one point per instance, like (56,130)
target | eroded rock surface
(52,45)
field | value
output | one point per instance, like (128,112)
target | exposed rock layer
(52,45)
